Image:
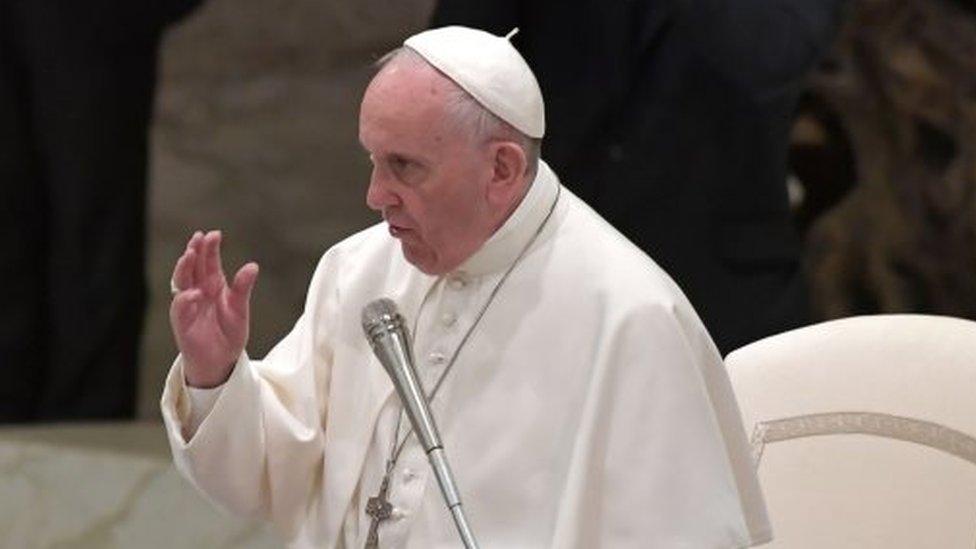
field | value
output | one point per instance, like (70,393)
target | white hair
(470,115)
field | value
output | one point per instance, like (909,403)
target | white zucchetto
(490,69)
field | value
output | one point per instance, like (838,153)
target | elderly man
(580,400)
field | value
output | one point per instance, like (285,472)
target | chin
(423,260)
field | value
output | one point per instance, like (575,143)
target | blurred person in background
(76,96)
(672,119)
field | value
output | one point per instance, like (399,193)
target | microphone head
(381,316)
(387,334)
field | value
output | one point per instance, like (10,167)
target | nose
(378,195)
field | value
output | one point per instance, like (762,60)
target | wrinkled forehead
(411,83)
(407,98)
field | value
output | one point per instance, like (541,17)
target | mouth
(397,231)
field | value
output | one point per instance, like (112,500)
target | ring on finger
(173,288)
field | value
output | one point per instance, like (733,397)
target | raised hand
(210,318)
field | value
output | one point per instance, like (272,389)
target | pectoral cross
(380,509)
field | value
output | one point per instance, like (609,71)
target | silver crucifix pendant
(380,509)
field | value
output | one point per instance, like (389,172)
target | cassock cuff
(186,408)
(201,401)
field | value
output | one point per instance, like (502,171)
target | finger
(194,239)
(183,278)
(184,309)
(239,297)
(217,263)
(194,245)
(212,266)
(199,273)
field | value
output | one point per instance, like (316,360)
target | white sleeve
(257,441)
(201,402)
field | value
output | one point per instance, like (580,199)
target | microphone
(388,336)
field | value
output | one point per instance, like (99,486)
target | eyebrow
(406,156)
(417,158)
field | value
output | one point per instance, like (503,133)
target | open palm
(209,317)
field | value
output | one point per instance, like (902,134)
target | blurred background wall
(255,133)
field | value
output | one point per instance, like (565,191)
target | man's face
(429,178)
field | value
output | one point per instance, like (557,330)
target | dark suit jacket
(671,118)
(76,94)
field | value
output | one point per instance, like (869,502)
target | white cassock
(589,408)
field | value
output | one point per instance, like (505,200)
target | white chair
(864,431)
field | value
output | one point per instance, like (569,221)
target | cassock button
(457,281)
(436,358)
(448,319)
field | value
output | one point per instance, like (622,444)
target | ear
(508,173)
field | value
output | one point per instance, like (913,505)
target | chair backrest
(864,431)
